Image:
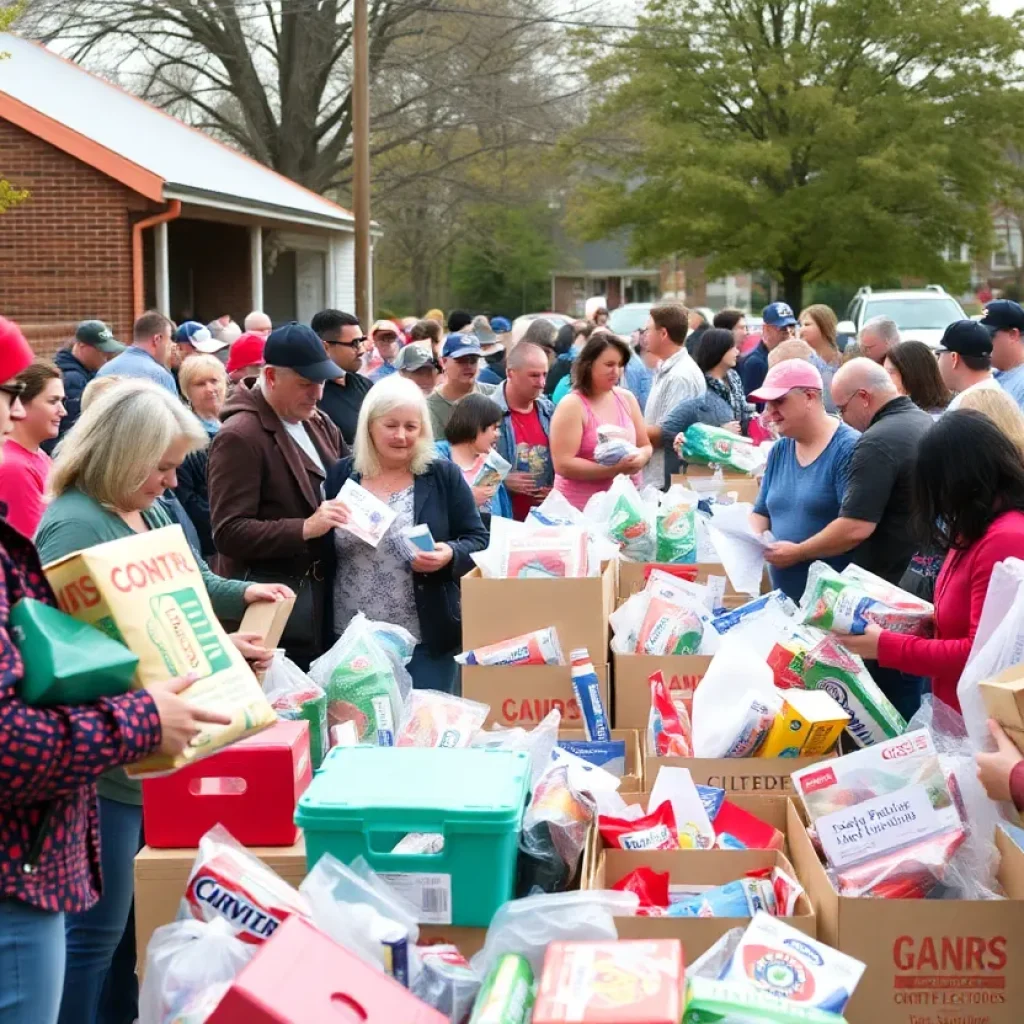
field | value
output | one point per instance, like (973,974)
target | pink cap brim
(769,394)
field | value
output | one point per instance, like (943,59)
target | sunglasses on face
(14,390)
(356,343)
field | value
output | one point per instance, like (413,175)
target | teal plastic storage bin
(364,800)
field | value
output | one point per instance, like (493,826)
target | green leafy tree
(832,140)
(10,195)
(503,260)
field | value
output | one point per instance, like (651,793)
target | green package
(362,689)
(726,1002)
(507,994)
(708,445)
(677,535)
(631,527)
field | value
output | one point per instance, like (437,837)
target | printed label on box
(878,826)
(431,894)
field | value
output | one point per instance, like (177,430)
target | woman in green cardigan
(110,470)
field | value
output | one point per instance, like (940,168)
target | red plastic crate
(300,976)
(251,788)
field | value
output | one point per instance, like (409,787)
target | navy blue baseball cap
(966,338)
(778,314)
(1003,315)
(500,325)
(299,348)
(458,345)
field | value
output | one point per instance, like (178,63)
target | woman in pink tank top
(596,400)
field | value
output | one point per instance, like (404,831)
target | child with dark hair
(470,436)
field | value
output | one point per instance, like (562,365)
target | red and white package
(541,647)
(654,831)
(227,881)
(435,719)
(669,733)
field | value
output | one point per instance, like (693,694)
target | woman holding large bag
(49,842)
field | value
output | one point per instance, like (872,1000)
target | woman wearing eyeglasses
(345,343)
(49,843)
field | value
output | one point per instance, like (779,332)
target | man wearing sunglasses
(345,343)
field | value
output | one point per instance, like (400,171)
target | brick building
(131,209)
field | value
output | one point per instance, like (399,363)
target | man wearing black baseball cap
(965,359)
(1005,319)
(91,347)
(266,473)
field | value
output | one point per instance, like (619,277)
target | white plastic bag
(739,548)
(758,625)
(366,917)
(612,445)
(189,967)
(627,519)
(529,925)
(998,644)
(539,742)
(725,702)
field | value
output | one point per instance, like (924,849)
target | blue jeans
(431,672)
(100,986)
(31,963)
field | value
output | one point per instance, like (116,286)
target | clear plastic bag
(294,696)
(189,967)
(431,718)
(613,445)
(528,926)
(365,680)
(626,519)
(677,526)
(707,445)
(539,742)
(366,917)
(532,551)
(669,616)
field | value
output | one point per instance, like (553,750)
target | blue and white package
(608,754)
(418,539)
(726,841)
(774,602)
(587,688)
(712,798)
(742,898)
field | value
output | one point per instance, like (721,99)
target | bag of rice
(147,592)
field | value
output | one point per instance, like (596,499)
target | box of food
(147,592)
(611,983)
(809,725)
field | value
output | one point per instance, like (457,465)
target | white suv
(921,314)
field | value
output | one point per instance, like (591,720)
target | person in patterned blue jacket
(51,759)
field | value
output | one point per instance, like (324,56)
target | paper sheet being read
(369,517)
(739,547)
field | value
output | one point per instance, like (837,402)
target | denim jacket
(507,439)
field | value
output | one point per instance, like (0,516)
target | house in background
(131,209)
(603,268)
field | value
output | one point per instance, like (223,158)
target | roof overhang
(106,161)
(265,211)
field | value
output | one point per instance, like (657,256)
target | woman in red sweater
(969,500)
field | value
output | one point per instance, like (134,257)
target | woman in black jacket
(394,459)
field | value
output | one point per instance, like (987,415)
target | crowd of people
(906,461)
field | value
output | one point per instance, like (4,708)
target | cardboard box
(744,486)
(631,580)
(928,961)
(633,780)
(524,694)
(468,940)
(770,808)
(631,688)
(161,877)
(268,619)
(1004,701)
(735,774)
(696,867)
(498,609)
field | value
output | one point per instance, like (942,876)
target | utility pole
(361,155)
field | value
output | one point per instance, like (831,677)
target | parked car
(629,318)
(921,314)
(522,323)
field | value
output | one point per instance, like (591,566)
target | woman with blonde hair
(110,472)
(1001,409)
(204,383)
(394,459)
(818,325)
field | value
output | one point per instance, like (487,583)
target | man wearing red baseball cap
(245,358)
(805,478)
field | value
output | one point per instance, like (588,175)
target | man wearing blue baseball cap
(1005,320)
(779,326)
(460,360)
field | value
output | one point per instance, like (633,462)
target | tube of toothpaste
(541,647)
(587,688)
(742,898)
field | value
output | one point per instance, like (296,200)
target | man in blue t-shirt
(1005,319)
(806,476)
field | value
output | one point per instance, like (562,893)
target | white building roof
(147,149)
